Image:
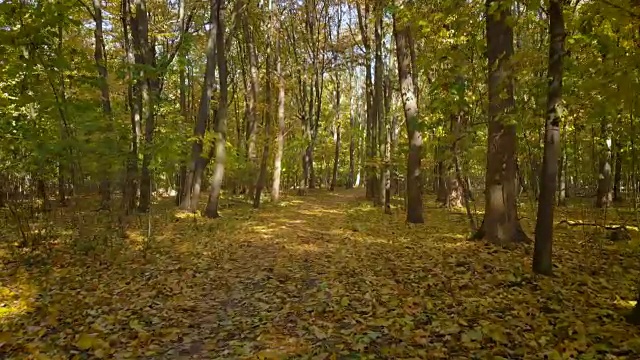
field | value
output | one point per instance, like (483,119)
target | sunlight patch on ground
(302,248)
(15,301)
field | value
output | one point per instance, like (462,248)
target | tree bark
(409,101)
(336,138)
(379,128)
(542,263)
(211,210)
(133,101)
(198,162)
(101,64)
(500,225)
(252,97)
(336,158)
(604,195)
(277,168)
(617,173)
(262,176)
(369,145)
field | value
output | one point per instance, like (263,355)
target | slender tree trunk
(544,224)
(379,126)
(146,84)
(369,145)
(414,188)
(211,210)
(277,168)
(198,162)
(617,173)
(133,101)
(604,195)
(252,97)
(352,150)
(562,171)
(336,157)
(262,176)
(500,224)
(101,64)
(336,154)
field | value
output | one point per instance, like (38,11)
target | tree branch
(83,4)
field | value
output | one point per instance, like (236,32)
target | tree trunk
(544,224)
(604,195)
(336,154)
(198,162)
(370,147)
(101,64)
(262,177)
(409,101)
(130,188)
(617,173)
(211,210)
(500,225)
(379,128)
(252,97)
(634,316)
(336,157)
(277,168)
(146,85)
(352,150)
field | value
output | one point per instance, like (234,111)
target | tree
(211,210)
(277,166)
(198,161)
(414,136)
(546,202)
(500,224)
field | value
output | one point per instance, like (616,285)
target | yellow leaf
(85,341)
(344,302)
(135,325)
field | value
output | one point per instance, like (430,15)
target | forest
(319,179)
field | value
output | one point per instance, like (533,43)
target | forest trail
(322,276)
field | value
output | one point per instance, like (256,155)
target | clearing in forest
(322,276)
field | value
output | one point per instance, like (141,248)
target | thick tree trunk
(211,210)
(409,101)
(500,225)
(542,263)
(198,162)
(277,168)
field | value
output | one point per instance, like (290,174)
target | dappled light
(319,179)
(286,284)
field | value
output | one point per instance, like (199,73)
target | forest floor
(324,276)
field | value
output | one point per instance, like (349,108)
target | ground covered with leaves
(323,276)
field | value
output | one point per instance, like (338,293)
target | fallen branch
(607,227)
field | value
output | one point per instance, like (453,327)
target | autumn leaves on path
(322,276)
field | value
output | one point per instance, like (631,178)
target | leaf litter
(323,276)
